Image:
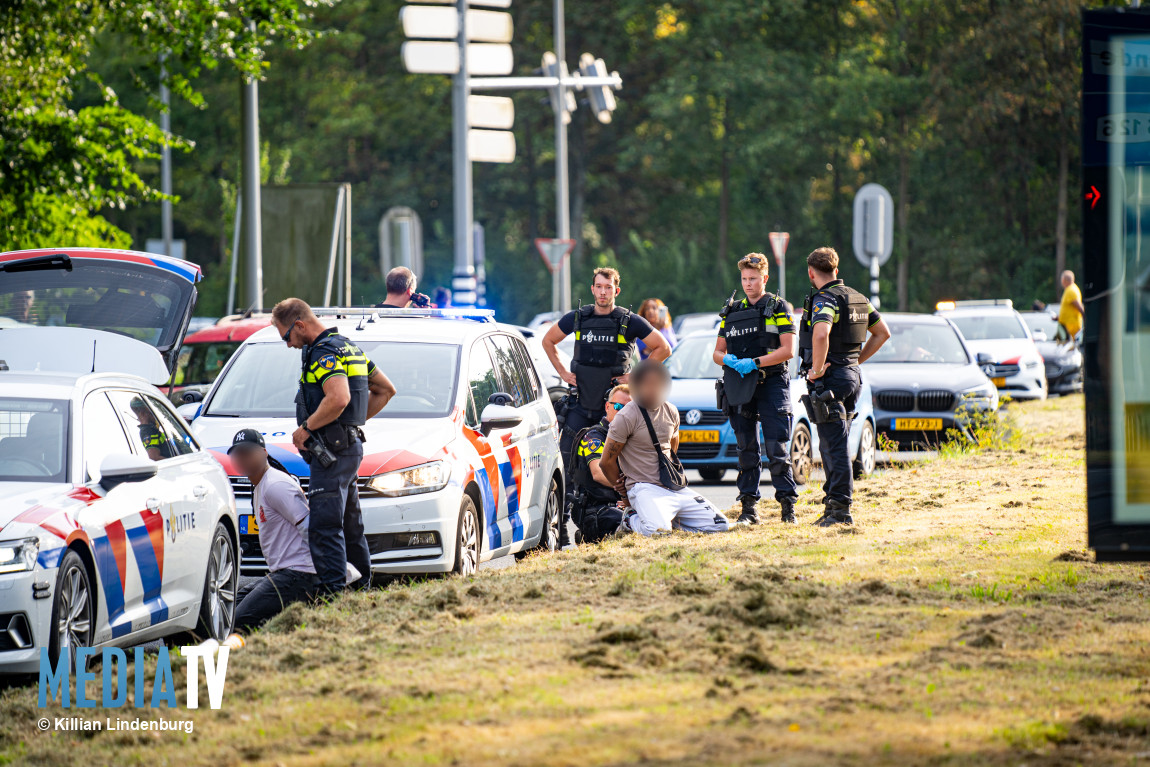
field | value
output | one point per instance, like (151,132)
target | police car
(461,466)
(1002,343)
(116,527)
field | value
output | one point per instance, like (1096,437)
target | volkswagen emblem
(693,417)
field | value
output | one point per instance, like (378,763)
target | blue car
(707,441)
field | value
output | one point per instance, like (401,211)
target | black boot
(788,505)
(835,513)
(749,515)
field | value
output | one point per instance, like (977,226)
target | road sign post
(554,252)
(779,242)
(873,231)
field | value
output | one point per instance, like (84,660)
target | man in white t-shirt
(281,510)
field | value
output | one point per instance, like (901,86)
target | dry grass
(960,622)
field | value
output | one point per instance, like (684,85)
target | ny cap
(246,439)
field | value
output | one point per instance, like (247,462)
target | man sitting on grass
(646,466)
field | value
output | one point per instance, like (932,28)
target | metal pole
(463,280)
(783,276)
(333,250)
(562,205)
(253,256)
(235,253)
(347,245)
(165,160)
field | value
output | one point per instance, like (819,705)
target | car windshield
(921,342)
(33,440)
(200,363)
(1041,322)
(263,379)
(135,300)
(692,358)
(989,327)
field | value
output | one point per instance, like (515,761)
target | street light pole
(562,204)
(253,255)
(165,160)
(463,278)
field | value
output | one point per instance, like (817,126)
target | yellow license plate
(698,435)
(918,424)
(998,381)
(249,525)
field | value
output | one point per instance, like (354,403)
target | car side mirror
(1040,336)
(191,396)
(189,411)
(119,468)
(982,358)
(498,417)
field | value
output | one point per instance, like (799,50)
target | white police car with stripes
(461,466)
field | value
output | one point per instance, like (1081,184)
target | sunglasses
(617,405)
(287,334)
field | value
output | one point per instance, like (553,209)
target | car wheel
(467,538)
(218,606)
(73,610)
(712,475)
(802,458)
(865,462)
(549,539)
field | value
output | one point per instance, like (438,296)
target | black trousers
(771,407)
(834,435)
(335,531)
(261,601)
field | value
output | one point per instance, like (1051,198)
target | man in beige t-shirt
(630,455)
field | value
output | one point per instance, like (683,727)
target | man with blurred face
(280,508)
(640,455)
(596,510)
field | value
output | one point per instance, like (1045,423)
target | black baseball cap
(246,439)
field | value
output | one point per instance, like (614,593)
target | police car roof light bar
(450,312)
(984,302)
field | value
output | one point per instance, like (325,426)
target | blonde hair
(291,309)
(620,389)
(756,261)
(661,320)
(824,260)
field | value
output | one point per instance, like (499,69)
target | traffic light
(601,98)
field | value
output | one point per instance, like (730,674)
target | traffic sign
(490,145)
(779,242)
(495,112)
(554,252)
(873,225)
(425,57)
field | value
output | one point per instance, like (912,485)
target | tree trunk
(724,187)
(902,221)
(1060,225)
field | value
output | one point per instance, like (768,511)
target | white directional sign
(490,145)
(433,22)
(442,58)
(873,225)
(554,252)
(495,112)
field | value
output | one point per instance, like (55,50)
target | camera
(420,300)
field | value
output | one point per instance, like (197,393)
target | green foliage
(984,430)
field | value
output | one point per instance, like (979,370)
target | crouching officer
(339,389)
(756,338)
(595,508)
(833,340)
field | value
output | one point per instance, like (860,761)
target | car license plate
(998,381)
(918,424)
(249,525)
(698,435)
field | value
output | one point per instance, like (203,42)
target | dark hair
(400,280)
(824,260)
(646,369)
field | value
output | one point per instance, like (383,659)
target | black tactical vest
(601,353)
(747,332)
(355,364)
(848,333)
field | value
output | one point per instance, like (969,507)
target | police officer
(605,336)
(339,389)
(756,338)
(596,509)
(839,330)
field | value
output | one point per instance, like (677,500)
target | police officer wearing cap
(339,389)
(605,340)
(839,330)
(756,339)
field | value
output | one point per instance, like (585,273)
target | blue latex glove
(730,360)
(745,366)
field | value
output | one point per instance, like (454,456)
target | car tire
(802,456)
(467,538)
(552,519)
(864,464)
(712,475)
(221,584)
(73,610)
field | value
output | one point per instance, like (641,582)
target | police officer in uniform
(340,388)
(596,510)
(839,330)
(605,336)
(756,339)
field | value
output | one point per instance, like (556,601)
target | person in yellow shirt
(1071,311)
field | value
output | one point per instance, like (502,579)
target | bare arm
(787,344)
(675,441)
(380,390)
(1081,309)
(879,335)
(551,339)
(609,463)
(820,343)
(597,473)
(336,396)
(720,350)
(657,347)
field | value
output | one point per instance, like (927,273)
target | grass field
(961,622)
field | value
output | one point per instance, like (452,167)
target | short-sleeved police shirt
(637,327)
(346,362)
(824,308)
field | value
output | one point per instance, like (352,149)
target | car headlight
(18,556)
(983,393)
(425,478)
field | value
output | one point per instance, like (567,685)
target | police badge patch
(328,362)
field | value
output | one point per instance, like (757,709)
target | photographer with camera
(401,293)
(339,389)
(836,322)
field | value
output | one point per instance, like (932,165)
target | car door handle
(153,505)
(199,491)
